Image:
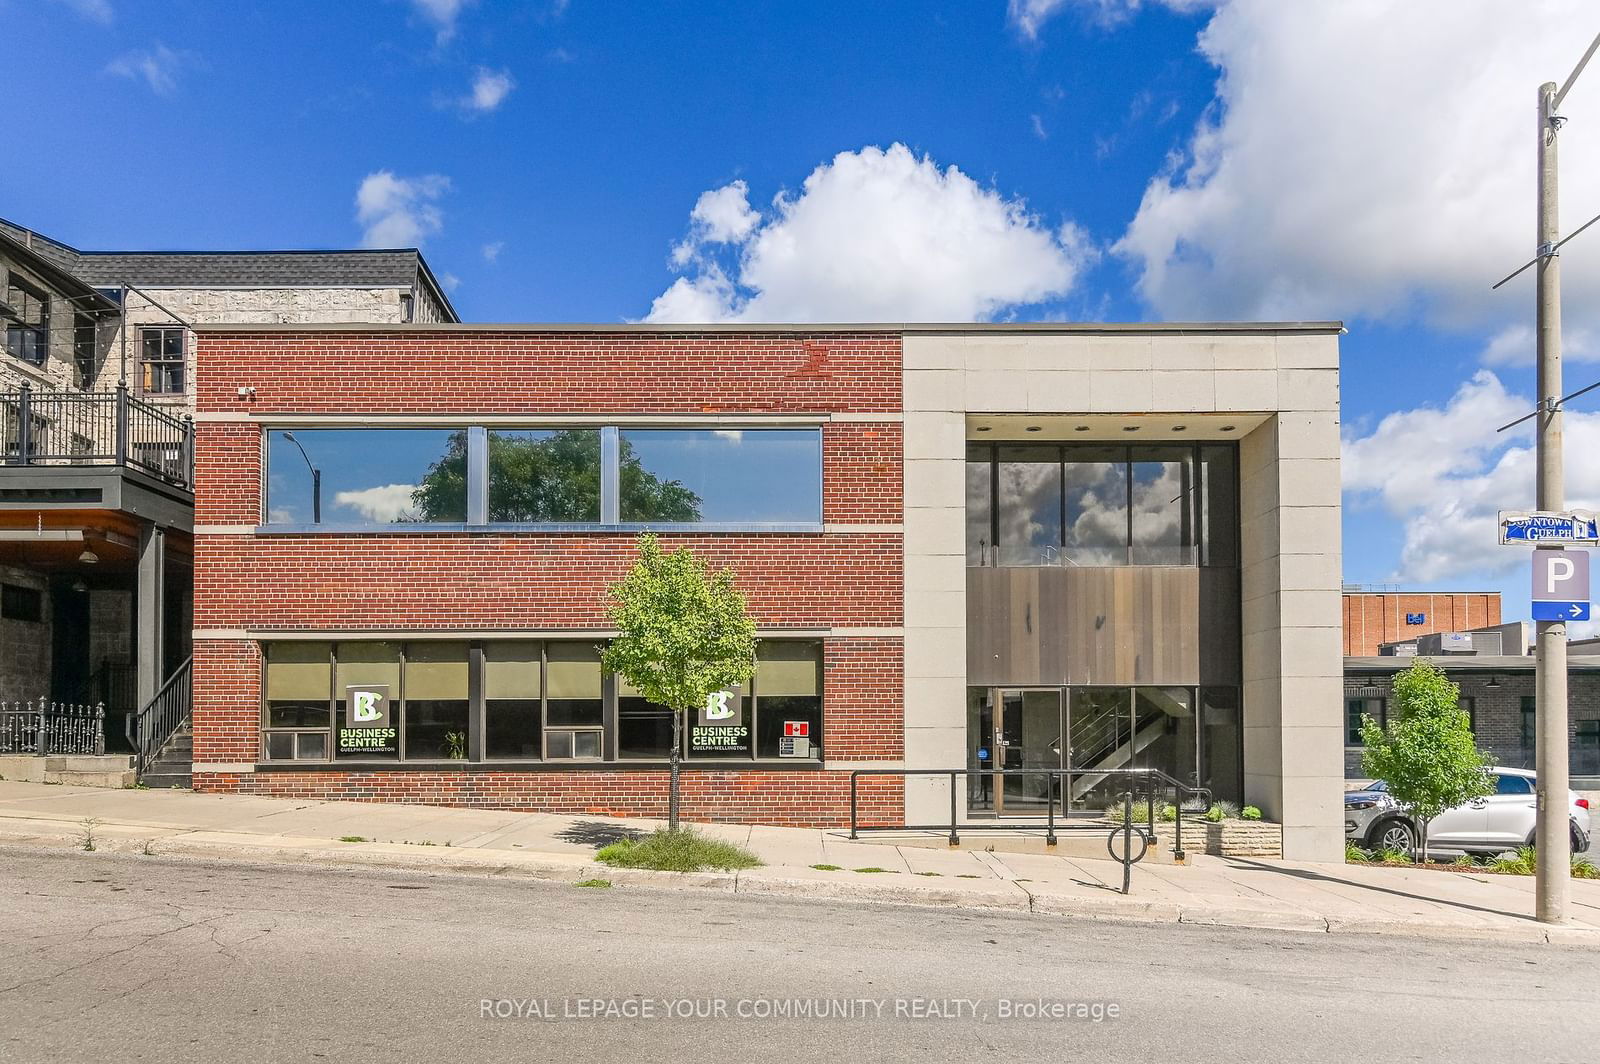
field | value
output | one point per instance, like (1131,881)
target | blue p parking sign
(1560,585)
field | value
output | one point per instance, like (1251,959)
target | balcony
(96,429)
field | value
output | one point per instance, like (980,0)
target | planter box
(1240,838)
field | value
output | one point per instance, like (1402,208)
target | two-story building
(96,474)
(1003,552)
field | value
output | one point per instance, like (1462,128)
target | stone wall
(25,645)
(58,373)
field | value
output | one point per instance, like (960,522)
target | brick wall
(847,580)
(1371,618)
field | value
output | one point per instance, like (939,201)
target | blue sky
(572,160)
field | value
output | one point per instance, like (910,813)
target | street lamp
(316,480)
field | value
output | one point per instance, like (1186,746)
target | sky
(984,160)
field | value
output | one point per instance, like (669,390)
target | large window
(1101,505)
(161,360)
(721,475)
(366,477)
(604,477)
(26,311)
(537,476)
(540,700)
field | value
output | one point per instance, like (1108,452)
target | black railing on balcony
(96,428)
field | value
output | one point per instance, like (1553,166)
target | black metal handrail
(1155,784)
(149,729)
(96,428)
(43,727)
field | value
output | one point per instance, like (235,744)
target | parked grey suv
(1502,821)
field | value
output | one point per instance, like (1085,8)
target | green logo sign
(368,727)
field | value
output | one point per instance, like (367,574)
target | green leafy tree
(556,478)
(682,634)
(1427,754)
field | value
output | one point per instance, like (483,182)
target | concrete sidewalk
(912,869)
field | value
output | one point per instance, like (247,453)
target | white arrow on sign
(1575,610)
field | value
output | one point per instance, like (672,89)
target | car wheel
(1393,834)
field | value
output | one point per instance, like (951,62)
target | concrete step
(158,780)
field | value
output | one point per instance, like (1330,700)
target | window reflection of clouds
(1097,507)
(1029,500)
(369,476)
(1160,499)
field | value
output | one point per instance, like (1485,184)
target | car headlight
(1361,805)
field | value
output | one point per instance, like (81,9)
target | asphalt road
(127,958)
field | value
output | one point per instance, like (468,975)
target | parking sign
(1560,585)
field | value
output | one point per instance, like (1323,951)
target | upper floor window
(161,360)
(26,311)
(604,476)
(1101,504)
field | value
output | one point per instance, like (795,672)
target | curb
(1013,897)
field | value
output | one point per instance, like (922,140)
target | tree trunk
(1421,856)
(672,762)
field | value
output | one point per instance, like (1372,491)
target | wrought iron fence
(96,428)
(44,727)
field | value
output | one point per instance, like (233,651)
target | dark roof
(69,285)
(376,268)
(239,269)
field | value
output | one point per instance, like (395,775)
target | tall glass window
(1222,743)
(1219,504)
(1028,505)
(512,700)
(980,511)
(1161,501)
(537,476)
(721,475)
(574,701)
(435,693)
(788,699)
(366,477)
(298,685)
(1097,506)
(644,728)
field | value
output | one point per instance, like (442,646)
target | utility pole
(1552,841)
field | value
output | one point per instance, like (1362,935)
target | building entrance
(1084,728)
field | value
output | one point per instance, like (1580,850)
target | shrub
(1392,857)
(684,850)
(1169,812)
(1583,868)
(1250,812)
(1354,854)
(1465,861)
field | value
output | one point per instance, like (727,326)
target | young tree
(682,635)
(1427,754)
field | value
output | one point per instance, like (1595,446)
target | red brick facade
(1374,617)
(845,580)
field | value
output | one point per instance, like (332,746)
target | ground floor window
(1193,735)
(518,700)
(1356,710)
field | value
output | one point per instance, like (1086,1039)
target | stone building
(96,455)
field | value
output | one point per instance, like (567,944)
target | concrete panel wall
(1290,572)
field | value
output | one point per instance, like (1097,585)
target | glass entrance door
(1027,735)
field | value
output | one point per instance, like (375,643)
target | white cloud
(1370,159)
(1038,128)
(94,10)
(1029,15)
(1445,474)
(157,66)
(450,281)
(399,211)
(489,90)
(491,251)
(443,14)
(720,216)
(872,235)
(1514,345)
(390,502)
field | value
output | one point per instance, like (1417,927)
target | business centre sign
(719,726)
(368,725)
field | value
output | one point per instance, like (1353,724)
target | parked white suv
(1502,821)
